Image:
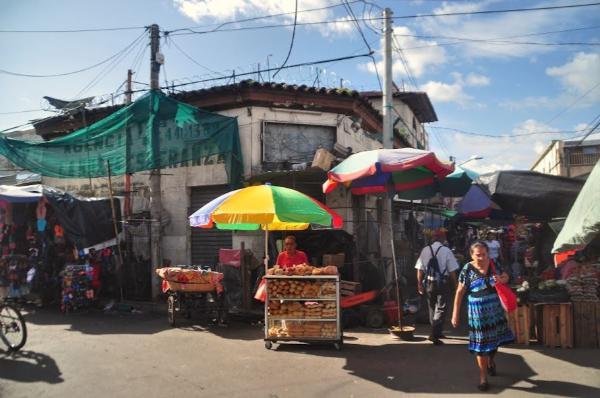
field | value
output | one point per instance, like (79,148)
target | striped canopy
(266,207)
(387,170)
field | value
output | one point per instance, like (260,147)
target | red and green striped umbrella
(387,170)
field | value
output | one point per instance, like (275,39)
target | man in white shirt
(437,299)
(494,247)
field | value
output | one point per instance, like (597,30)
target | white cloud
(502,153)
(221,10)
(419,61)
(454,92)
(476,80)
(501,27)
(580,74)
(577,76)
(533,126)
(444,92)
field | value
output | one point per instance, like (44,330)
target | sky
(503,85)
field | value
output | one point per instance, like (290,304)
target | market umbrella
(387,170)
(266,207)
(583,222)
(531,194)
(454,185)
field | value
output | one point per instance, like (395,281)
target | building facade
(281,127)
(573,158)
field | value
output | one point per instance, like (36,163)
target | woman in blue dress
(488,327)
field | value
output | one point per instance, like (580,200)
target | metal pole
(114,218)
(155,185)
(388,141)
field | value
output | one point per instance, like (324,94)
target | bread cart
(189,290)
(303,309)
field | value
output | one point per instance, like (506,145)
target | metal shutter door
(207,242)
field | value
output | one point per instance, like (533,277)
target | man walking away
(435,266)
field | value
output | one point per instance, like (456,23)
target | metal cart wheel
(338,346)
(172,309)
(268,345)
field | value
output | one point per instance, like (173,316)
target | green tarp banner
(153,132)
(583,222)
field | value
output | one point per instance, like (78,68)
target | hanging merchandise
(14,280)
(77,291)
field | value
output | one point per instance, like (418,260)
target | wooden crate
(555,324)
(586,318)
(520,323)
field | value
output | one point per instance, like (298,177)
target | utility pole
(155,188)
(388,134)
(128,92)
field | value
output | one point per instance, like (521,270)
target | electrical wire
(190,58)
(75,71)
(449,14)
(109,67)
(325,61)
(351,14)
(506,135)
(291,42)
(219,26)
(567,108)
(588,133)
(73,30)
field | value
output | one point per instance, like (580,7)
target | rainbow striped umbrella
(387,170)
(267,207)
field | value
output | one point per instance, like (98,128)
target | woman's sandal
(483,386)
(492,370)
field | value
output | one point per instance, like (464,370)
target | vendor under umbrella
(290,256)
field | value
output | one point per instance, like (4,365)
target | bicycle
(13,331)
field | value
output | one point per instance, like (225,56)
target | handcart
(193,290)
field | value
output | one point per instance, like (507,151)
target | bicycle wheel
(12,327)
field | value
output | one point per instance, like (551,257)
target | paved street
(139,355)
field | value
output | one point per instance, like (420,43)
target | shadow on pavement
(95,322)
(29,367)
(571,355)
(418,368)
(234,331)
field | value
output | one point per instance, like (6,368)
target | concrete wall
(176,182)
(405,125)
(551,160)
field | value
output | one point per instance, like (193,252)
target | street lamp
(474,157)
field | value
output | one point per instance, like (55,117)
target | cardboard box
(323,159)
(334,259)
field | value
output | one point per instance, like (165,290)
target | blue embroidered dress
(488,327)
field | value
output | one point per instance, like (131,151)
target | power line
(506,135)
(73,30)
(325,61)
(291,42)
(498,38)
(109,67)
(582,96)
(589,132)
(484,12)
(219,26)
(171,41)
(76,71)
(351,14)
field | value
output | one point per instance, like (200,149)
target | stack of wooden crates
(564,325)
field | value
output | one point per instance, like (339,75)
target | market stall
(272,208)
(43,229)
